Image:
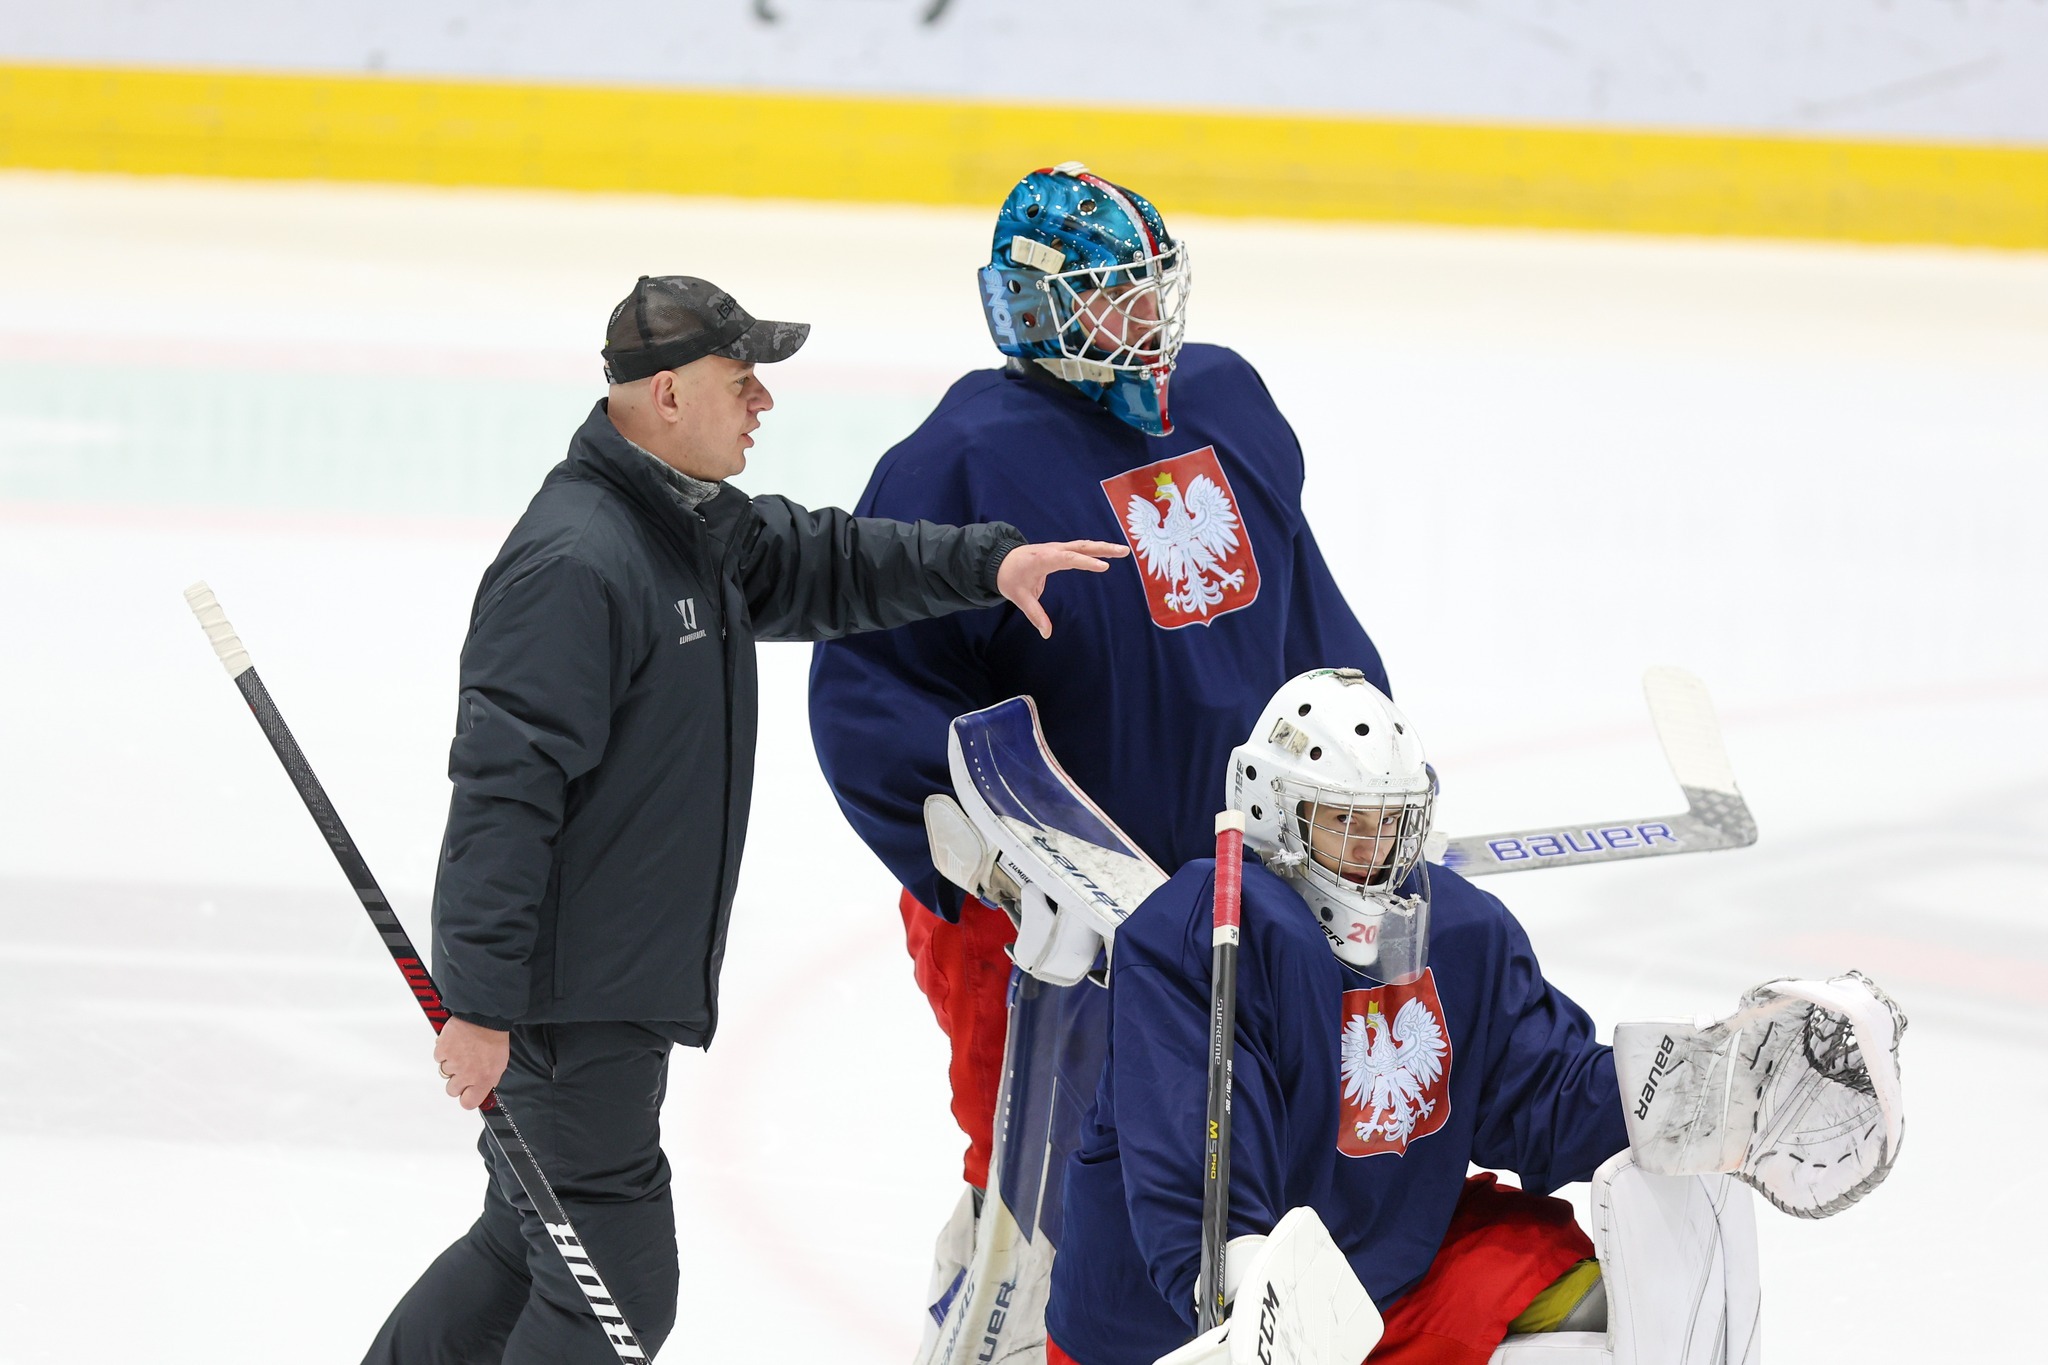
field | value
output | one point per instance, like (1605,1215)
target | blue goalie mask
(1085,281)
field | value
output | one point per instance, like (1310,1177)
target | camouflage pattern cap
(670,320)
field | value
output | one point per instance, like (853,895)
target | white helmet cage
(1127,317)
(1338,799)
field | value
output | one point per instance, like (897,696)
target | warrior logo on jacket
(1182,521)
(1395,1059)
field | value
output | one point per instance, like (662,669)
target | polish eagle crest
(1389,1072)
(1186,540)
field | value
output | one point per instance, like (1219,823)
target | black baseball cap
(670,320)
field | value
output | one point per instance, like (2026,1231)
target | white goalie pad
(1796,1093)
(1023,837)
(1298,1302)
(988,1289)
(1678,1265)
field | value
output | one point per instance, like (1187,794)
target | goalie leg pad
(952,1256)
(1678,1254)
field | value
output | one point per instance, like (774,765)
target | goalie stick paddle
(1715,817)
(227,646)
(1209,1288)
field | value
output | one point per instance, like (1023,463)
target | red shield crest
(1188,537)
(1394,1063)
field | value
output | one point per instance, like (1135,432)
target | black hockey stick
(1222,1037)
(504,1133)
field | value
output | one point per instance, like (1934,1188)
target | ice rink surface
(1538,464)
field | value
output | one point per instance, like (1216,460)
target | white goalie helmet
(1337,799)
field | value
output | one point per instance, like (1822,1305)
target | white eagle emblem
(1388,1071)
(1187,543)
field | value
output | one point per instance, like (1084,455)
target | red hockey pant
(1504,1247)
(964,972)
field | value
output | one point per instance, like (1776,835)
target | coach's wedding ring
(446,1074)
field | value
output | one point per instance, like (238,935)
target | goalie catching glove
(1298,1302)
(1797,1093)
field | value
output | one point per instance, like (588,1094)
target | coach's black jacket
(604,751)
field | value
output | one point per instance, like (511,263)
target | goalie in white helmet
(1394,1029)
(1338,800)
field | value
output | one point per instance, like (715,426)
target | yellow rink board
(944,151)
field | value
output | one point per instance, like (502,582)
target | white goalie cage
(1357,858)
(1129,317)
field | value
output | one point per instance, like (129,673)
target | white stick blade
(1688,729)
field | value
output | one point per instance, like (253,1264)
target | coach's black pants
(587,1098)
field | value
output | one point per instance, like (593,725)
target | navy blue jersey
(1157,669)
(1366,1102)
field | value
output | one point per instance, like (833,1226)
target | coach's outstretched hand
(471,1058)
(1022,574)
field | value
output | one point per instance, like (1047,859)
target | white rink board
(1912,68)
(1538,463)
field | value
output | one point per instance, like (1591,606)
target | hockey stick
(1222,1036)
(227,646)
(1715,817)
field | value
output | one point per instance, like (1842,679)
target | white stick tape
(227,646)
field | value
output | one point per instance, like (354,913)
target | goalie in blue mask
(1085,281)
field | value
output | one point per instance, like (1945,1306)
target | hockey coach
(603,765)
